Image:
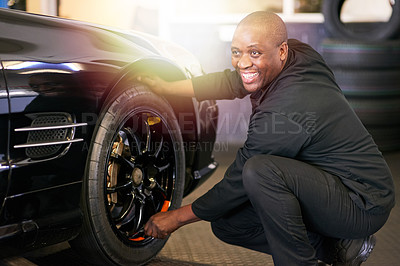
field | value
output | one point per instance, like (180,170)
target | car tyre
(368,74)
(331,10)
(135,169)
(373,94)
(361,54)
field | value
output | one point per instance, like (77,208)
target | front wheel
(135,169)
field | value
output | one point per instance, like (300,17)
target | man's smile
(249,77)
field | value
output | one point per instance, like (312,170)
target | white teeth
(249,76)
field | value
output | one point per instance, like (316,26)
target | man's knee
(258,170)
(220,230)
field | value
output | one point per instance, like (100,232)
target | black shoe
(353,252)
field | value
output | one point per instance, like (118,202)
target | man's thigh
(326,206)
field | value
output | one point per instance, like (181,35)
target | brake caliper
(113,169)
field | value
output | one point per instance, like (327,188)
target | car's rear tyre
(135,169)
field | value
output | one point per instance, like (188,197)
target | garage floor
(195,244)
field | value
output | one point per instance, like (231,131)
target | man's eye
(255,53)
(235,53)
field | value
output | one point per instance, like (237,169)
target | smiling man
(309,183)
(256,60)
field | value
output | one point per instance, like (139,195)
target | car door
(4,137)
(46,150)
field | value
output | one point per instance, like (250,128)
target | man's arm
(163,224)
(213,86)
(159,86)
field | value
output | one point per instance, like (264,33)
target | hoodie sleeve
(219,86)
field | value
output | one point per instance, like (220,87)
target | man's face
(257,59)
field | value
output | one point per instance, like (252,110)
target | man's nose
(244,62)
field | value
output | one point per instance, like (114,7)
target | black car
(88,154)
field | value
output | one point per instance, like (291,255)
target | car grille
(49,135)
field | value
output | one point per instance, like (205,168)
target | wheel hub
(137,176)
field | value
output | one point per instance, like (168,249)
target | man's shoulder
(303,54)
(296,45)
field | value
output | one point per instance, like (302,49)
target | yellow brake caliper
(113,169)
(152,120)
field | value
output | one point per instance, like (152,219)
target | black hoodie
(302,115)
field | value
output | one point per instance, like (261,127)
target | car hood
(182,57)
(73,40)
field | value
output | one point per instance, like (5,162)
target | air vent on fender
(49,135)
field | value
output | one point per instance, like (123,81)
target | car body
(59,80)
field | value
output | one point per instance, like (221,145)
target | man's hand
(156,84)
(161,87)
(162,224)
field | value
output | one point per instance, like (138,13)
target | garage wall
(113,13)
(33,6)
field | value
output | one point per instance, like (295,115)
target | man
(309,182)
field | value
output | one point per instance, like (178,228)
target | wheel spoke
(161,168)
(128,215)
(134,138)
(161,190)
(140,216)
(122,159)
(157,152)
(118,188)
(148,137)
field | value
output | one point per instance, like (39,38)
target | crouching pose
(309,183)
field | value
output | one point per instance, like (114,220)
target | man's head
(259,49)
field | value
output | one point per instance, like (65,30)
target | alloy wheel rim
(140,174)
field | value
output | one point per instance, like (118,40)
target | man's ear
(283,51)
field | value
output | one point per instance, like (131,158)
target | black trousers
(296,212)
